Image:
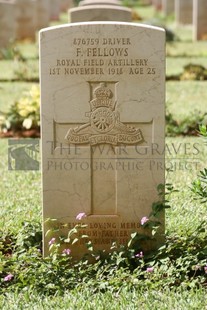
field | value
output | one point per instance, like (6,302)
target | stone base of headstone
(7,23)
(26,19)
(100,13)
(200,20)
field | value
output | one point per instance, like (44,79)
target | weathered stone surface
(200,19)
(100,13)
(102,118)
(26,19)
(184,11)
(7,23)
(168,6)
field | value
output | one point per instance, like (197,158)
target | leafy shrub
(187,126)
(170,35)
(12,52)
(24,114)
(199,186)
(136,16)
(194,72)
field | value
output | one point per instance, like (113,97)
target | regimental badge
(104,124)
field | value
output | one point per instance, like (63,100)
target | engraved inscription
(104,124)
(104,232)
(101,56)
(104,41)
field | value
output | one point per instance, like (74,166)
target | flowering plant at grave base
(150,269)
(72,238)
(66,251)
(147,263)
(52,241)
(9,277)
(199,186)
(80,216)
(144,220)
(24,114)
(139,255)
(132,251)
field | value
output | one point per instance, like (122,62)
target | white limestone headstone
(26,19)
(199,20)
(168,6)
(43,14)
(7,23)
(184,11)
(102,118)
(100,10)
(55,9)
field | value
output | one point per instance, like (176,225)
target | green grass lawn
(28,50)
(186,98)
(175,66)
(168,299)
(20,191)
(186,49)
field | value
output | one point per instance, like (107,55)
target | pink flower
(80,216)
(205,269)
(66,251)
(8,277)
(139,255)
(52,241)
(150,269)
(144,220)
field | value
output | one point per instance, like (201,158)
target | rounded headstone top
(101,2)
